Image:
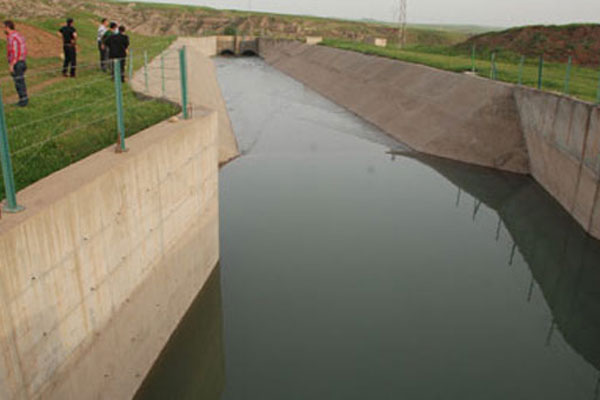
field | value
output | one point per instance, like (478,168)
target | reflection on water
(191,366)
(563,260)
(353,272)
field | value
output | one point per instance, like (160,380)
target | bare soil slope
(40,44)
(557,43)
(159,19)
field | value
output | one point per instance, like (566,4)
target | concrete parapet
(98,270)
(203,87)
(207,45)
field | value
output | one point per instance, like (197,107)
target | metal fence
(566,78)
(70,119)
(537,70)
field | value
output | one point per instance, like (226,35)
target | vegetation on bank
(581,42)
(69,119)
(583,81)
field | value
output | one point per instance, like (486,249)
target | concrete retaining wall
(99,269)
(464,118)
(563,138)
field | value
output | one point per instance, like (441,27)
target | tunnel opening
(227,53)
(249,53)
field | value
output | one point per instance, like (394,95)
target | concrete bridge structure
(237,45)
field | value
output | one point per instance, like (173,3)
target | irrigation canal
(351,273)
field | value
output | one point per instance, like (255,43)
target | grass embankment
(583,83)
(69,119)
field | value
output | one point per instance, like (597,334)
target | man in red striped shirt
(17,55)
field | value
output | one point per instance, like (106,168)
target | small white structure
(379,42)
(312,40)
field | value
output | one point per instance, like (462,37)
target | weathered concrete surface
(563,137)
(203,87)
(197,347)
(99,269)
(435,112)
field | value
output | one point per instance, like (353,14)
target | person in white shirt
(101,48)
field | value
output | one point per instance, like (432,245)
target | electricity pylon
(401,22)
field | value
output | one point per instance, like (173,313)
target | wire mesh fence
(69,119)
(535,70)
(568,78)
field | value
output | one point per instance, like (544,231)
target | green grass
(70,119)
(583,84)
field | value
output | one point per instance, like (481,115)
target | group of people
(113,45)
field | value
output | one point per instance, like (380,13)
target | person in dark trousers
(102,29)
(69,36)
(17,60)
(113,29)
(118,47)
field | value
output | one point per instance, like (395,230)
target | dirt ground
(40,44)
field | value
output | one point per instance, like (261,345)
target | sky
(497,13)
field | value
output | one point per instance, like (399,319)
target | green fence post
(146,70)
(162,74)
(7,171)
(541,72)
(130,66)
(598,92)
(119,101)
(184,89)
(568,75)
(473,58)
(521,66)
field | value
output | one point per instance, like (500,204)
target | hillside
(557,43)
(162,19)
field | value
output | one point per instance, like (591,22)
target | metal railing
(33,134)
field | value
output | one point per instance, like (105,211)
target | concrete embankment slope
(203,87)
(554,138)
(435,112)
(104,262)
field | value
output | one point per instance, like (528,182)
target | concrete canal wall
(563,138)
(493,124)
(435,112)
(108,256)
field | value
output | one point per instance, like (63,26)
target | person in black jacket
(118,48)
(113,29)
(69,36)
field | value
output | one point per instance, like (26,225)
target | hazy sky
(479,12)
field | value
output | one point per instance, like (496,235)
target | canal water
(352,268)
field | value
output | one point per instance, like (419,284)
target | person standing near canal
(118,47)
(69,36)
(17,56)
(102,29)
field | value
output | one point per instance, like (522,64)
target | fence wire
(68,119)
